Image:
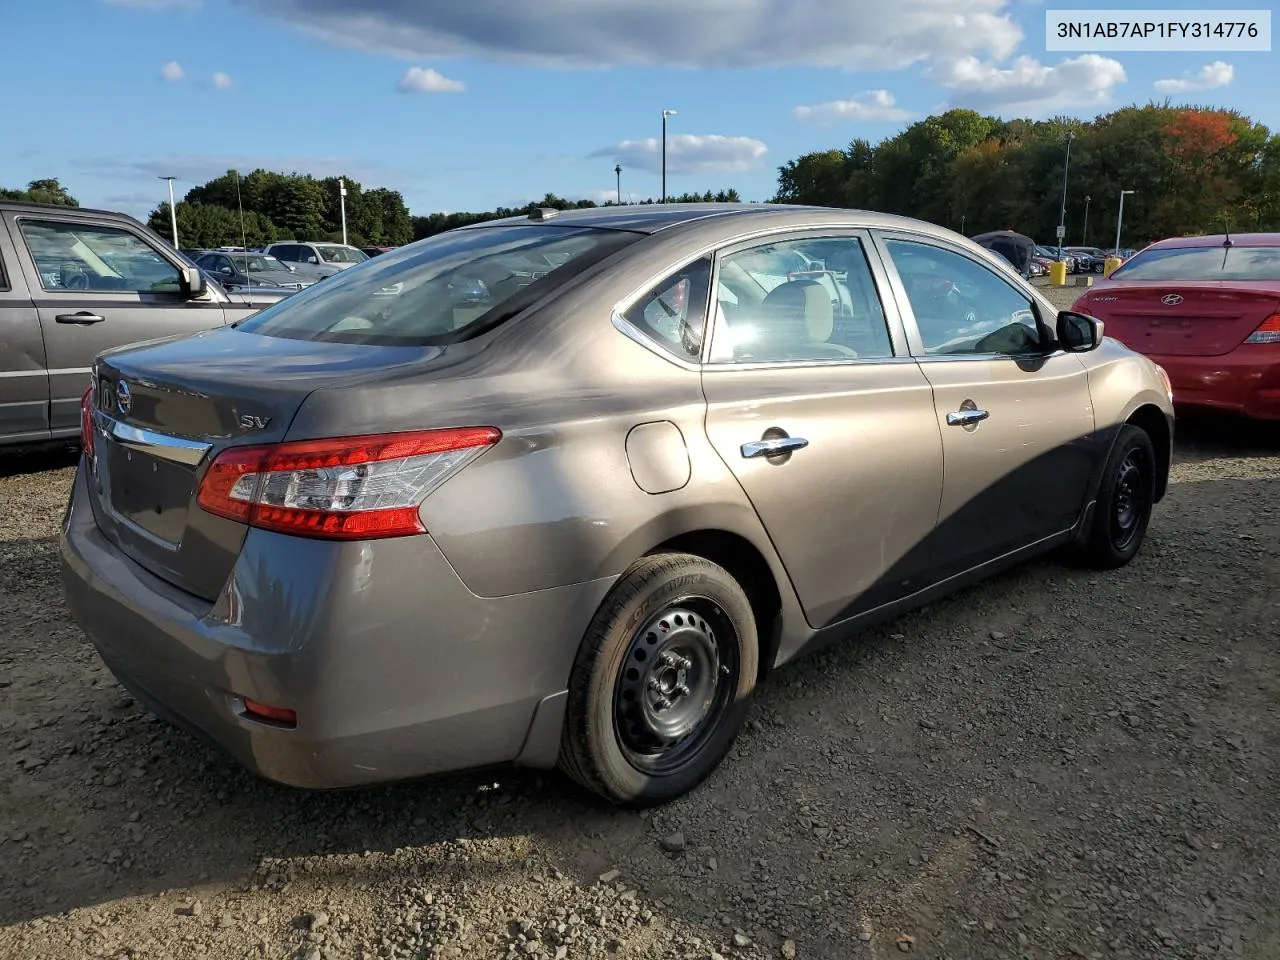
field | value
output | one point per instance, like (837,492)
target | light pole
(173,214)
(1120,217)
(617,169)
(342,204)
(1084,235)
(665,115)
(1062,219)
(962,223)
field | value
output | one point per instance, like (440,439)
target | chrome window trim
(727,366)
(632,332)
(162,445)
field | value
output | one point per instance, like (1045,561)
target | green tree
(210,225)
(42,191)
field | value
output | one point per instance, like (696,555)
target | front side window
(78,256)
(674,311)
(960,306)
(1203,263)
(799,300)
(286,251)
(440,290)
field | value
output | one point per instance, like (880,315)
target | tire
(1125,498)
(619,741)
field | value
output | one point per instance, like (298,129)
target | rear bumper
(394,668)
(1245,381)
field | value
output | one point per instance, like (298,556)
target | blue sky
(470,104)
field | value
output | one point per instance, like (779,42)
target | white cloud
(1029,86)
(688,153)
(1209,77)
(426,80)
(172,71)
(853,34)
(875,105)
(222,81)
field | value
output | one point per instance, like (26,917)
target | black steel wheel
(678,678)
(1125,499)
(661,681)
(1130,506)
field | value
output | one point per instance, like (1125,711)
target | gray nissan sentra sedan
(563,489)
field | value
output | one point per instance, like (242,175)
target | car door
(816,406)
(1014,410)
(99,285)
(24,379)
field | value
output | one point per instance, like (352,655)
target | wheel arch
(748,566)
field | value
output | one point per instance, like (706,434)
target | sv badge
(249,422)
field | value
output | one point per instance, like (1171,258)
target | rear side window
(674,312)
(439,290)
(1203,263)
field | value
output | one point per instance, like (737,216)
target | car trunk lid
(165,410)
(1162,318)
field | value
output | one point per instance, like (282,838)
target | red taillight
(261,711)
(1268,331)
(350,488)
(86,423)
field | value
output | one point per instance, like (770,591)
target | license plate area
(148,492)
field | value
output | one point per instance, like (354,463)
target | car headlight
(1164,378)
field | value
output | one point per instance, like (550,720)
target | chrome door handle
(964,418)
(84,317)
(773,446)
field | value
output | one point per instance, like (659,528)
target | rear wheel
(1125,500)
(661,682)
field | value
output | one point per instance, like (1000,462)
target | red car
(1207,309)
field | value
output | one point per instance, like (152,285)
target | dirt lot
(1053,764)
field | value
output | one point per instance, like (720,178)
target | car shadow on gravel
(38,460)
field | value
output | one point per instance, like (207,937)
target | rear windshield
(1203,263)
(439,290)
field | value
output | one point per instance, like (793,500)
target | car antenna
(244,241)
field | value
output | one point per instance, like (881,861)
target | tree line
(1193,170)
(282,206)
(41,191)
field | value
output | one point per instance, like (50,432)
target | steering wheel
(77,281)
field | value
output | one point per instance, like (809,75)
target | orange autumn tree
(1205,181)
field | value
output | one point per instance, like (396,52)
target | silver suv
(318,259)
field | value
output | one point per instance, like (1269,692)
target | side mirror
(1079,333)
(226,271)
(191,280)
(313,259)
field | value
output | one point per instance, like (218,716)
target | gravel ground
(1054,764)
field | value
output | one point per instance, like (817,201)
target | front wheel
(661,682)
(1125,499)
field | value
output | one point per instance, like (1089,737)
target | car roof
(1218,240)
(652,218)
(23,206)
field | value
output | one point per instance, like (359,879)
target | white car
(318,259)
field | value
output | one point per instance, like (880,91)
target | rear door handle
(84,318)
(964,418)
(773,446)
